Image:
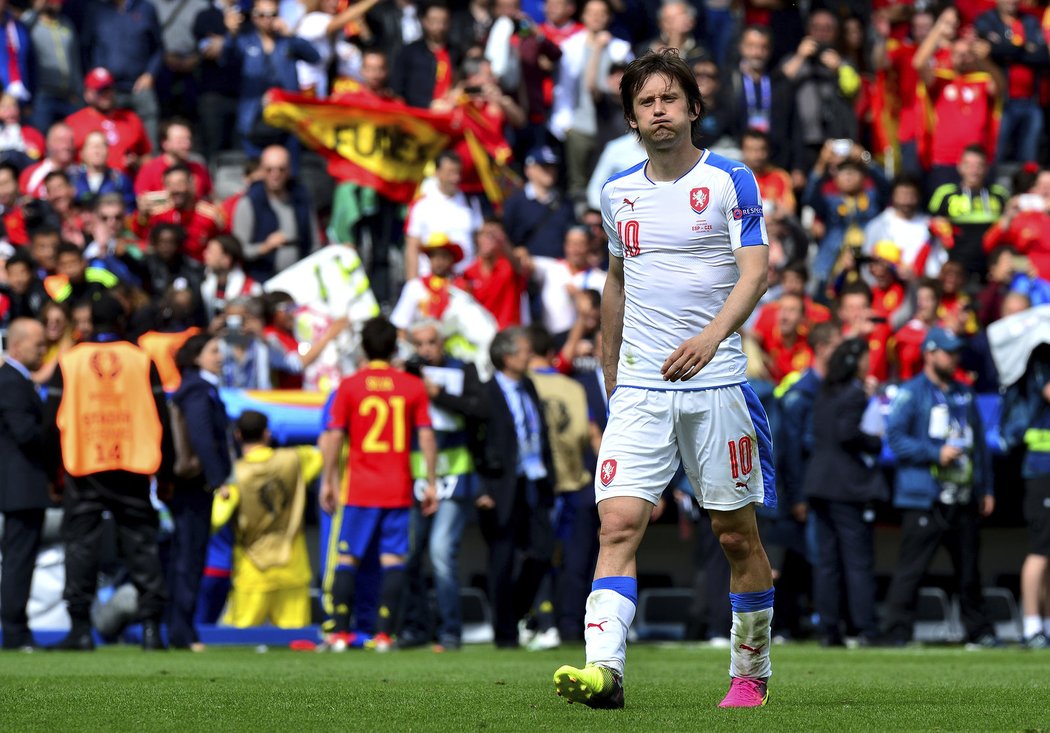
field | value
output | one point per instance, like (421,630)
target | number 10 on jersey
(628,232)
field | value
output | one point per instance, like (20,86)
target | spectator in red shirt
(898,124)
(907,342)
(963,96)
(61,154)
(561,23)
(11,213)
(178,205)
(176,144)
(124,131)
(785,347)
(495,278)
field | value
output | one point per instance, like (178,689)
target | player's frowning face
(661,113)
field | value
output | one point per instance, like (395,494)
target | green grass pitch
(669,688)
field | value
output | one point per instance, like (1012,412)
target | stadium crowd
(899,149)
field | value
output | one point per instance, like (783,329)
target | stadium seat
(1001,607)
(663,613)
(934,617)
(477,617)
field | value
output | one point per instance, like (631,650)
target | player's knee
(345,561)
(735,545)
(617,530)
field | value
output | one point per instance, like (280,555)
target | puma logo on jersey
(628,202)
(600,625)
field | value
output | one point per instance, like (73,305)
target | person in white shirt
(688,254)
(585,61)
(904,223)
(444,209)
(319,26)
(561,279)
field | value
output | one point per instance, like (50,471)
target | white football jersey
(677,240)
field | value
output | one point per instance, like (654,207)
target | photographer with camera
(825,86)
(845,195)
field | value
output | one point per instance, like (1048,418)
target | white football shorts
(721,435)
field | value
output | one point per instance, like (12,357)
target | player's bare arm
(612,322)
(331,445)
(428,445)
(695,353)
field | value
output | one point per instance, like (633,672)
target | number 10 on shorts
(740,456)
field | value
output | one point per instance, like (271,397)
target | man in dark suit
(23,476)
(515,494)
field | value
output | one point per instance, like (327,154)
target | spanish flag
(385,144)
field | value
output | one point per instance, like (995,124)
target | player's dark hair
(252,425)
(842,366)
(504,344)
(667,63)
(379,338)
(187,355)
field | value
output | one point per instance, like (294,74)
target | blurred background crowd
(901,155)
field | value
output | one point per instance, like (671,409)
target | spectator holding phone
(178,204)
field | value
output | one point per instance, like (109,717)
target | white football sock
(1032,626)
(749,655)
(608,618)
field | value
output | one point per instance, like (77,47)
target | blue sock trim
(625,585)
(346,568)
(387,568)
(748,602)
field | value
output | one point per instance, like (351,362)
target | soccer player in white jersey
(688,254)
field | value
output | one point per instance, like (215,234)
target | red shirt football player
(377,410)
(123,129)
